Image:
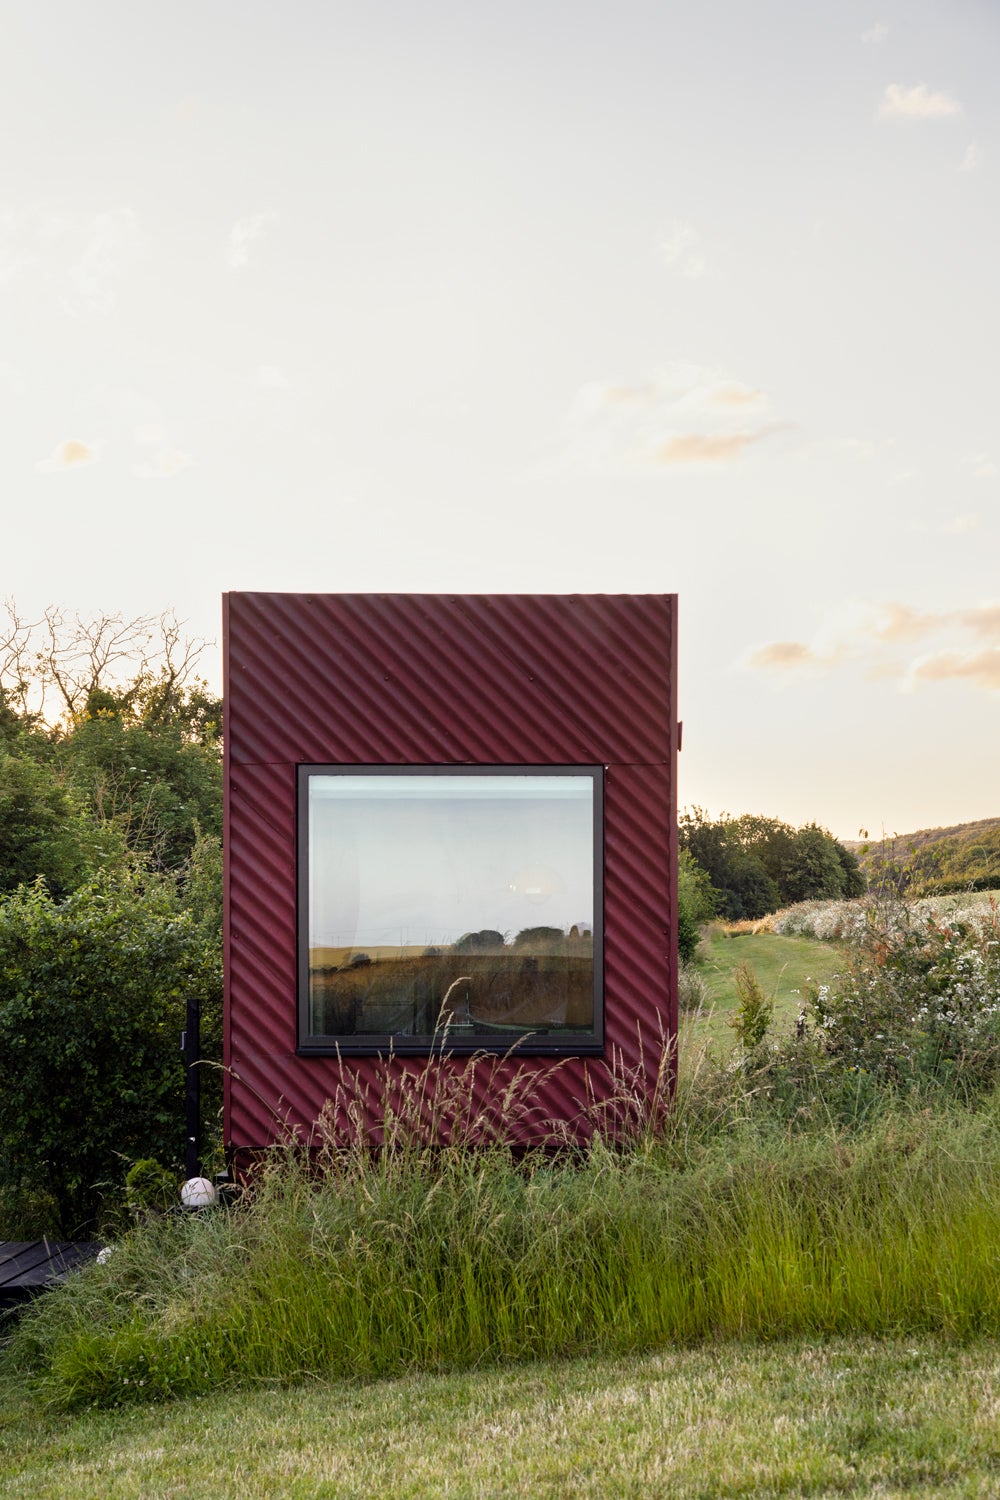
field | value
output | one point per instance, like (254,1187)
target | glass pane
(458,900)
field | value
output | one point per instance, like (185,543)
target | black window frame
(577,1044)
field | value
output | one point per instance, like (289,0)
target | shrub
(155,783)
(28,1210)
(920,1001)
(42,830)
(830,921)
(92,1002)
(696,903)
(754,1009)
(150,1187)
(692,991)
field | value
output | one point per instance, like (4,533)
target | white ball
(198,1192)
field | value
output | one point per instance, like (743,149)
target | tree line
(748,866)
(110,906)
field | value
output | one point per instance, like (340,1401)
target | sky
(421,860)
(528,297)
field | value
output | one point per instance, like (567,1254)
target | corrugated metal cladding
(418,679)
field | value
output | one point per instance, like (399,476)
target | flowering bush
(830,921)
(921,999)
(851,921)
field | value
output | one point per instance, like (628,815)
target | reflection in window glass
(465,901)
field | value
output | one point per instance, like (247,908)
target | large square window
(453,907)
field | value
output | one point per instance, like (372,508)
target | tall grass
(726,1220)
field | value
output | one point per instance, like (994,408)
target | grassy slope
(899,844)
(963,853)
(850,1417)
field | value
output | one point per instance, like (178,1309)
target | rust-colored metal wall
(422,679)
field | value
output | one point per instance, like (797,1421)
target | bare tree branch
(16,656)
(65,659)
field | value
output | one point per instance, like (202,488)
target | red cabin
(450,829)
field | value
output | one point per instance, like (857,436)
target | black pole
(191,1047)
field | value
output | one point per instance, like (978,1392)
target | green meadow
(786,1284)
(784,968)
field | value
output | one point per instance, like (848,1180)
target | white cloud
(875,34)
(243,234)
(981,668)
(111,241)
(983,620)
(681,250)
(705,447)
(80,257)
(683,415)
(270,377)
(917,103)
(72,454)
(840,637)
(970,158)
(732,394)
(165,460)
(784,656)
(957,525)
(879,638)
(861,448)
(16,251)
(163,464)
(983,466)
(11,380)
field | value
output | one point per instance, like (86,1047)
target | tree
(154,782)
(855,883)
(43,831)
(697,902)
(18,731)
(534,937)
(54,668)
(486,941)
(110,769)
(92,1002)
(749,891)
(814,870)
(115,705)
(744,887)
(769,840)
(757,864)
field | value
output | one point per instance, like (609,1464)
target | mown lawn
(783,966)
(844,1417)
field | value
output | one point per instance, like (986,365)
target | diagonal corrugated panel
(429,679)
(405,678)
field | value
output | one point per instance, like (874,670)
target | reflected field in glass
(459,900)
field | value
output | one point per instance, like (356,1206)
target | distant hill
(963,857)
